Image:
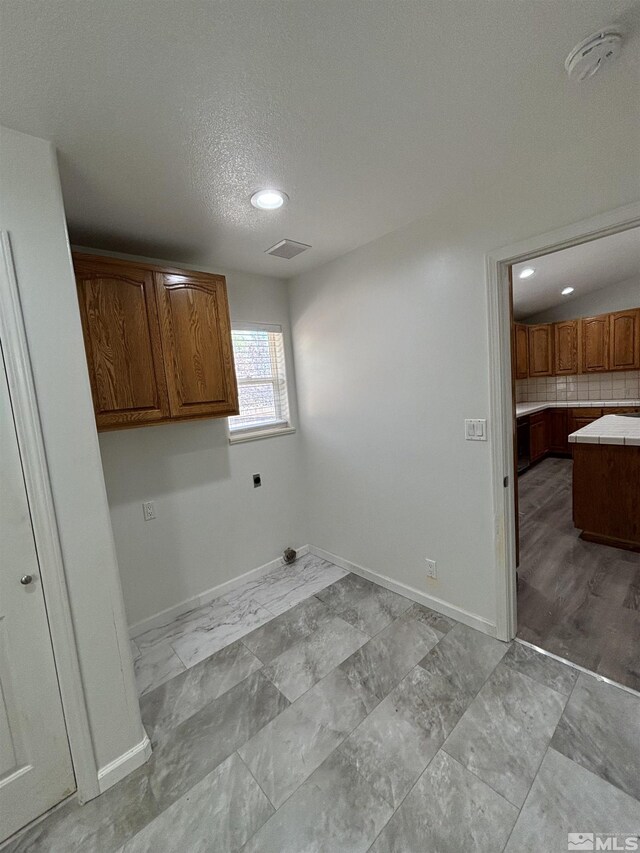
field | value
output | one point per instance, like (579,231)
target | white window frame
(284,426)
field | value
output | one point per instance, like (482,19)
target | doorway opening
(568,439)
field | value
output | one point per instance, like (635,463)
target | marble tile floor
(576,599)
(163,652)
(355,721)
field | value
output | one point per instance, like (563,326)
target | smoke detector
(287,249)
(587,58)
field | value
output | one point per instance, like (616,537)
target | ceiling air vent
(287,249)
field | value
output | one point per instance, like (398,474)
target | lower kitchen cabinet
(548,431)
(538,441)
(557,431)
(579,418)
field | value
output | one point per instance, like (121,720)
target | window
(258,351)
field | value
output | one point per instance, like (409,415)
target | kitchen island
(606,481)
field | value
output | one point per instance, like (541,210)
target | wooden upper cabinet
(565,346)
(122,341)
(196,340)
(158,342)
(595,344)
(541,350)
(521,350)
(624,340)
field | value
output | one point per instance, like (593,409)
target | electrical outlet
(149,510)
(432,570)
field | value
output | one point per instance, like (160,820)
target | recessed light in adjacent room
(527,272)
(269,199)
(567,290)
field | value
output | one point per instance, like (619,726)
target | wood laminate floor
(576,599)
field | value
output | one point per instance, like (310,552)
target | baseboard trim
(124,764)
(171,613)
(458,613)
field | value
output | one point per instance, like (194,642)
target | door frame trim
(45,528)
(497,265)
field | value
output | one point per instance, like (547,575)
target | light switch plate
(475,429)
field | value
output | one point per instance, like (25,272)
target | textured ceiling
(588,267)
(167,115)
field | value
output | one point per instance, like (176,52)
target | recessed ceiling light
(527,272)
(269,199)
(567,290)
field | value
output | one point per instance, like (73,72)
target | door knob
(25,580)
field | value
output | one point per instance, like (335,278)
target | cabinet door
(595,344)
(624,340)
(565,339)
(122,341)
(521,351)
(196,341)
(541,350)
(557,430)
(538,445)
(582,417)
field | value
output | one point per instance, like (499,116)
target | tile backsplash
(621,385)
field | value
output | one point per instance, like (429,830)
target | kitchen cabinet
(521,350)
(581,417)
(624,340)
(157,340)
(588,345)
(606,494)
(541,349)
(548,431)
(595,344)
(538,442)
(557,432)
(565,341)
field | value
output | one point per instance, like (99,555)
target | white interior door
(35,761)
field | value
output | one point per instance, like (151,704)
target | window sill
(257,434)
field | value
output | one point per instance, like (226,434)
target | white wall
(392,355)
(211,524)
(616,297)
(32,212)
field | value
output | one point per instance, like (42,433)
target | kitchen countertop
(532,408)
(610,429)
